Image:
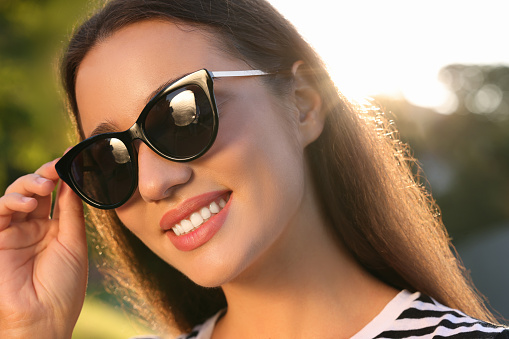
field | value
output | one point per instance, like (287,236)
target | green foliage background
(471,147)
(33,125)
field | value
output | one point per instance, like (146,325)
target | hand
(43,260)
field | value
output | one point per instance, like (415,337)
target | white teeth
(205,213)
(214,208)
(198,218)
(186,225)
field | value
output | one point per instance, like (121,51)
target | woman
(285,212)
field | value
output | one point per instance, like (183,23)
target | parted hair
(364,176)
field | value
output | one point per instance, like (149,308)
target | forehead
(117,76)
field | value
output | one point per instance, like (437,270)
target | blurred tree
(479,90)
(33,126)
(464,155)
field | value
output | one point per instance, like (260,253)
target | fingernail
(41,180)
(26,199)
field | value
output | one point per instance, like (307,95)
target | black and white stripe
(426,318)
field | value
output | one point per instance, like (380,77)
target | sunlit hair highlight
(361,171)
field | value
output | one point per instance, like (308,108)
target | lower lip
(202,234)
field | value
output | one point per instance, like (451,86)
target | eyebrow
(163,86)
(105,127)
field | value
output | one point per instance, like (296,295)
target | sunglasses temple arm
(227,74)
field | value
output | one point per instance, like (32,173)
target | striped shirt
(417,316)
(411,316)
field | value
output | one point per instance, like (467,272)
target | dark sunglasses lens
(181,124)
(103,171)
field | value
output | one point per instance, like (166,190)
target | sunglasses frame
(202,78)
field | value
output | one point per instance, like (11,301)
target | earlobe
(309,104)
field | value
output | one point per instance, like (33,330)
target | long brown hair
(362,172)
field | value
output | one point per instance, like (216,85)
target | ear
(309,105)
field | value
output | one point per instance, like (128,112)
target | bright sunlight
(398,47)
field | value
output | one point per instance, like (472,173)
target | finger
(12,204)
(42,176)
(48,170)
(38,187)
(30,185)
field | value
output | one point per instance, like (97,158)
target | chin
(216,273)
(209,281)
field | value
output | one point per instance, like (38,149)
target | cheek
(259,151)
(263,139)
(133,217)
(141,219)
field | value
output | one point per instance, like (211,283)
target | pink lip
(205,232)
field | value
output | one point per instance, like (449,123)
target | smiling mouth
(199,217)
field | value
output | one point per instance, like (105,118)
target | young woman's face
(256,164)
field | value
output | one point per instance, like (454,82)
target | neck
(304,287)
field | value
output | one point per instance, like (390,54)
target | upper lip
(187,207)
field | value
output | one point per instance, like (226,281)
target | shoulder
(426,318)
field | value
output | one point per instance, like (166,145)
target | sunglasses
(179,123)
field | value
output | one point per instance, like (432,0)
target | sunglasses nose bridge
(136,132)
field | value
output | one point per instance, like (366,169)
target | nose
(157,176)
